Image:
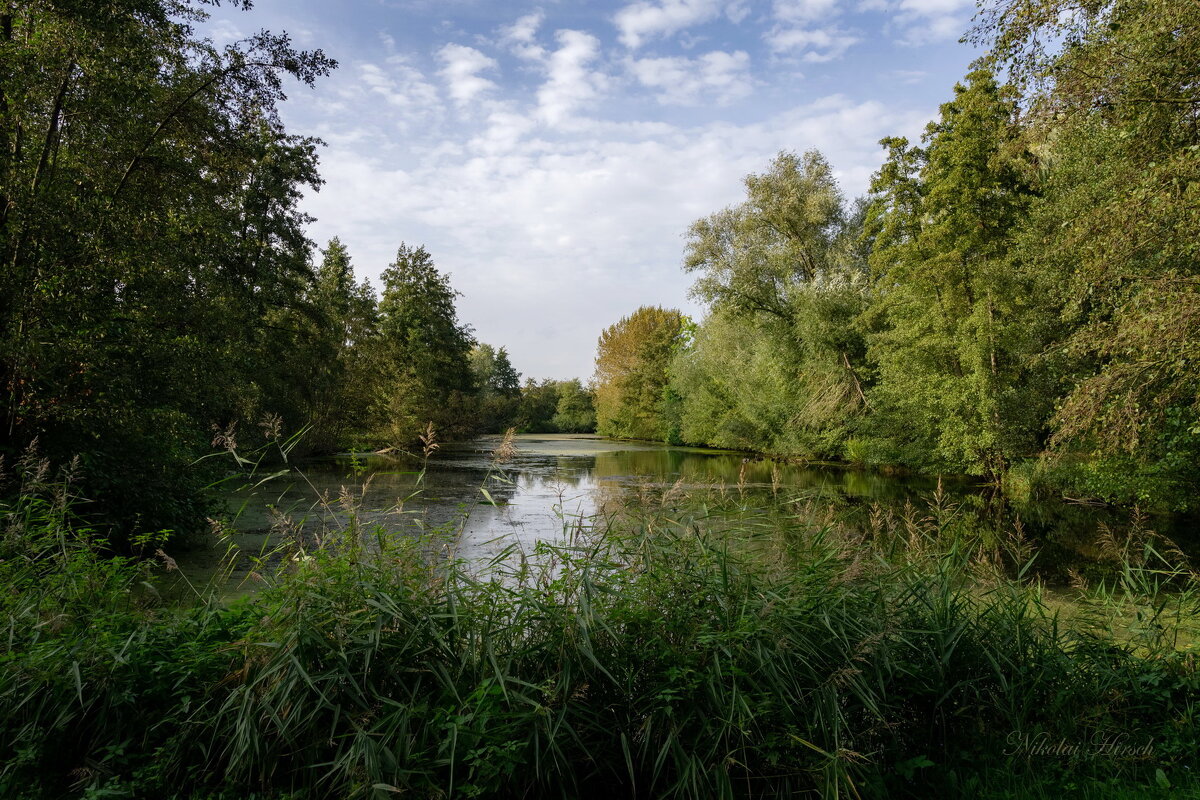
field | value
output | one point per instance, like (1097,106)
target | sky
(550,156)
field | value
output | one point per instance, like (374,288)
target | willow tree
(784,283)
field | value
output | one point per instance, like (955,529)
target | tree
(341,325)
(148,225)
(493,373)
(425,351)
(539,400)
(505,380)
(954,325)
(575,411)
(631,372)
(499,388)
(742,386)
(784,275)
(1113,102)
(751,257)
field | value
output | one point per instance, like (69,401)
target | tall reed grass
(672,649)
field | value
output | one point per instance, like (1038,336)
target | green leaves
(632,357)
(150,231)
(951,314)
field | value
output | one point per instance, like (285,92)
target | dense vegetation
(1016,298)
(686,646)
(157,289)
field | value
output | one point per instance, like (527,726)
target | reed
(675,649)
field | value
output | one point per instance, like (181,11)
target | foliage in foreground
(650,657)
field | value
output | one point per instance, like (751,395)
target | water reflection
(553,481)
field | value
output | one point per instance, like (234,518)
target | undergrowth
(668,649)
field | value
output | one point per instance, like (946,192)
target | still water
(555,480)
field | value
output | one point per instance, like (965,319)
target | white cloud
(525,28)
(224,32)
(569,83)
(521,36)
(461,72)
(909,76)
(717,76)
(504,132)
(792,11)
(737,10)
(551,241)
(647,19)
(925,21)
(400,85)
(814,45)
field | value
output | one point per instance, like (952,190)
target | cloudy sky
(551,155)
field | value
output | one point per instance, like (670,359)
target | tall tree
(343,324)
(784,275)
(1114,103)
(539,400)
(953,309)
(425,351)
(148,222)
(493,371)
(751,257)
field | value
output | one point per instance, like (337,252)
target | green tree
(539,401)
(499,388)
(1113,102)
(751,257)
(777,366)
(953,315)
(425,351)
(342,326)
(743,386)
(632,358)
(148,225)
(575,411)
(493,372)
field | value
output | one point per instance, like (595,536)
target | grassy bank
(671,649)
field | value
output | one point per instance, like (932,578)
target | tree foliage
(778,364)
(148,227)
(575,411)
(631,372)
(953,317)
(424,351)
(1019,288)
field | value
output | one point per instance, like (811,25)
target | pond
(479,508)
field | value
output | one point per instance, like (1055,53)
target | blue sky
(550,156)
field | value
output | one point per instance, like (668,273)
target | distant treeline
(1018,297)
(384,368)
(157,292)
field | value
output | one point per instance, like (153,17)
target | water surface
(479,508)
